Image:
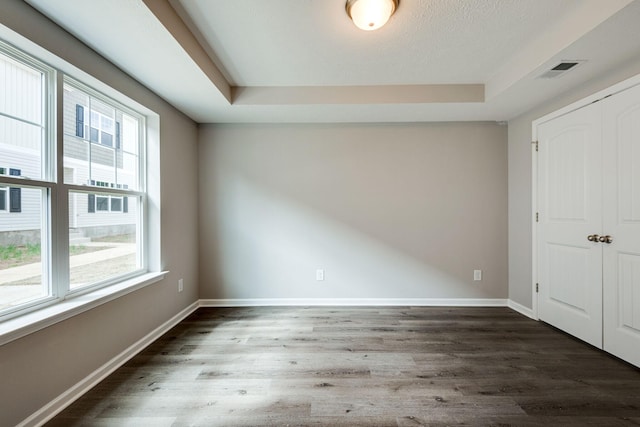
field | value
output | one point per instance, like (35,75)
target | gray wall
(389,211)
(37,368)
(520,239)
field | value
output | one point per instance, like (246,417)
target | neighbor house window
(115,204)
(102,204)
(3,199)
(15,194)
(11,198)
(107,204)
(102,183)
(4,193)
(102,128)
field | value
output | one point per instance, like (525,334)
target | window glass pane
(21,122)
(102,244)
(76,135)
(76,112)
(94,136)
(102,109)
(102,204)
(97,156)
(106,124)
(106,139)
(21,87)
(128,175)
(21,251)
(20,147)
(95,119)
(130,132)
(116,204)
(103,165)
(101,149)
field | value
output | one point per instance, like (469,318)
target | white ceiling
(310,43)
(305,61)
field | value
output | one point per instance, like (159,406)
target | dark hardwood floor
(369,366)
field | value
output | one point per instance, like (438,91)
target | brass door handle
(605,239)
(592,237)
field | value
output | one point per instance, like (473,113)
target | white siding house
(20,148)
(100,150)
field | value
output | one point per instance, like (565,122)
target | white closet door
(569,205)
(621,220)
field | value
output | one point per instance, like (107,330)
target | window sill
(20,326)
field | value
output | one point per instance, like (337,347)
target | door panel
(569,204)
(621,220)
(568,174)
(567,277)
(629,290)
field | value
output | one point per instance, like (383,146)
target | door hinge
(537,288)
(537,216)
(536,144)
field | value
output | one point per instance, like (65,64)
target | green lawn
(17,255)
(14,255)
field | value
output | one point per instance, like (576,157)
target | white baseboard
(525,311)
(261,302)
(54,407)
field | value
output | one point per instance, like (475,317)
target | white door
(569,206)
(621,220)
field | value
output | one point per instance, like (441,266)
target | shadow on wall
(386,212)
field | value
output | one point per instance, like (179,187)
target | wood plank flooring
(365,366)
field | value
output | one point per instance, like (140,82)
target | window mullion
(88,140)
(115,148)
(142,236)
(143,215)
(60,214)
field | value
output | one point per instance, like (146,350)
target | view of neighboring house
(100,149)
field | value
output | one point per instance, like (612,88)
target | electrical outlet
(477,275)
(319,274)
(180,285)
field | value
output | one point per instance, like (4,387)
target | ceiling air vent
(561,69)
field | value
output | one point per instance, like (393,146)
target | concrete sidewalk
(116,250)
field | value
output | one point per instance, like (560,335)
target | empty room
(319,213)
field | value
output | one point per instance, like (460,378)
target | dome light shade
(370,15)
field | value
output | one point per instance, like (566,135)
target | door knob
(592,237)
(605,239)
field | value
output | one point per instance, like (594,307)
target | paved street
(12,287)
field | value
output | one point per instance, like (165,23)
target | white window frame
(46,183)
(21,319)
(99,189)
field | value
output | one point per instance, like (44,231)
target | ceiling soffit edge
(380,94)
(174,24)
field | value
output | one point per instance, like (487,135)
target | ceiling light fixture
(370,15)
